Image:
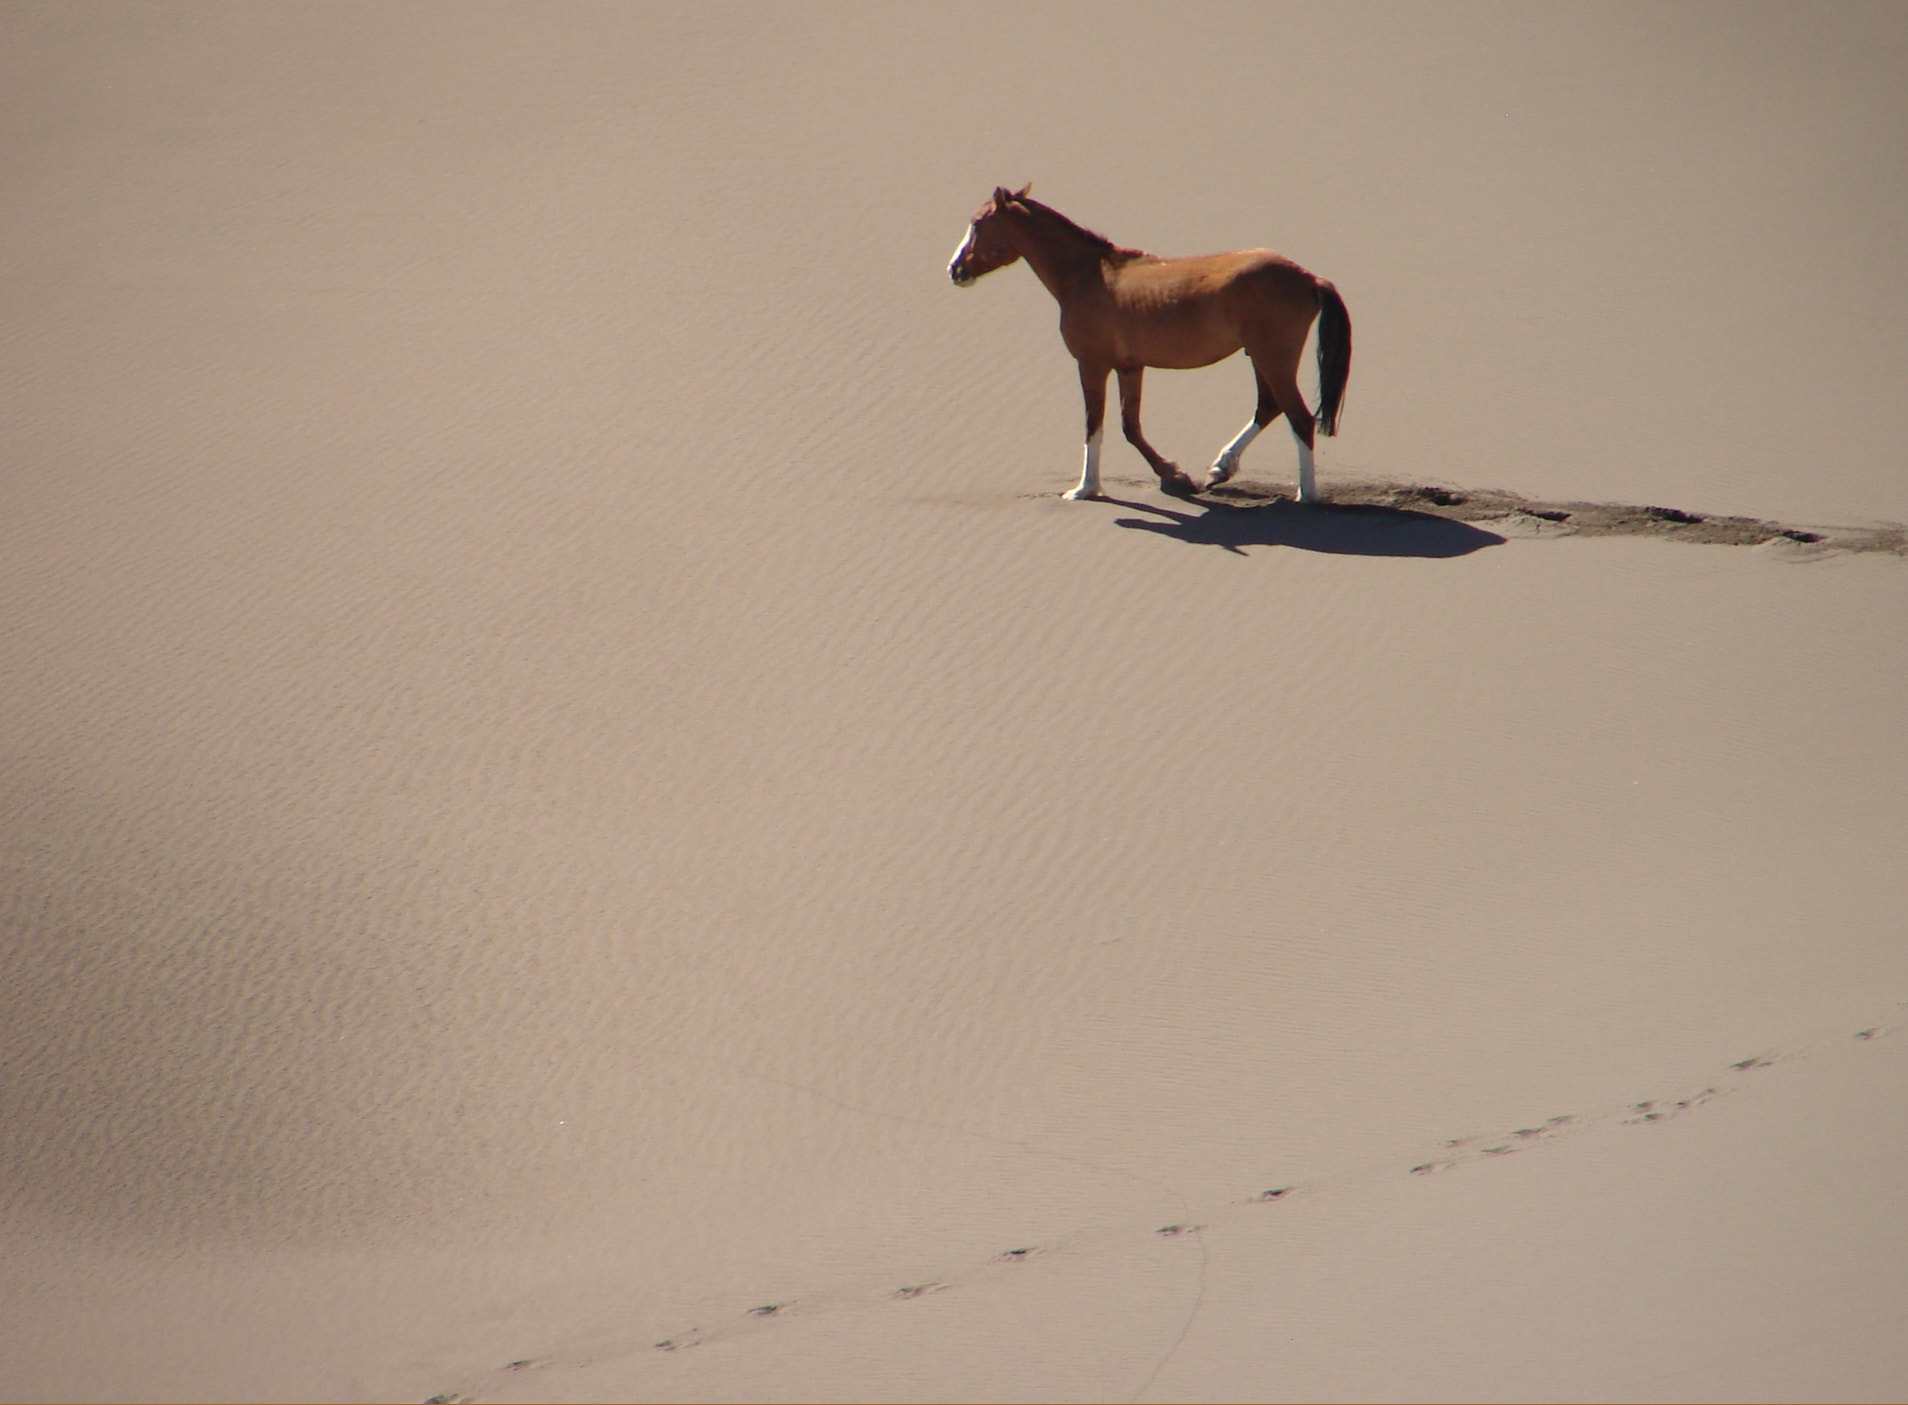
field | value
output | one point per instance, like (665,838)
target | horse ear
(1001,196)
(1021,194)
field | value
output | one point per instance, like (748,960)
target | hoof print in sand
(1749,1065)
(1468,1148)
(529,1363)
(1662,1112)
(768,1310)
(448,1400)
(1276,1193)
(1549,1129)
(681,1343)
(1173,1231)
(918,1290)
(1522,1137)
(1019,1256)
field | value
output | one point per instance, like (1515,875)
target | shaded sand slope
(566,778)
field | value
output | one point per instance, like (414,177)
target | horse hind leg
(1171,480)
(1227,464)
(1299,415)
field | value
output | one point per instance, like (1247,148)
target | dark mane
(1105,247)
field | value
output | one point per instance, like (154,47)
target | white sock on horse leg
(1090,470)
(1227,463)
(1307,478)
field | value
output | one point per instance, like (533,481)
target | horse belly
(1177,339)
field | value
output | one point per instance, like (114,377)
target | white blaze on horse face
(966,244)
(1307,479)
(1227,463)
(1090,472)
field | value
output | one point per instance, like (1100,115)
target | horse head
(989,243)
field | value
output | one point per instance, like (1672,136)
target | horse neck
(1059,257)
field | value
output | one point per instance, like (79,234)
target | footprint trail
(662,1339)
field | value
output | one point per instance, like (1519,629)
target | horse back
(1192,311)
(1270,281)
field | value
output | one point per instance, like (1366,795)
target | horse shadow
(1337,529)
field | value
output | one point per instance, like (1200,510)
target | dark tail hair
(1334,355)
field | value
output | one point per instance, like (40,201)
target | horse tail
(1334,355)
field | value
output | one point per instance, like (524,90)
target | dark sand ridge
(1383,504)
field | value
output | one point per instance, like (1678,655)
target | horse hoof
(1078,495)
(1179,486)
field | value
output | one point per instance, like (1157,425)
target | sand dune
(583,823)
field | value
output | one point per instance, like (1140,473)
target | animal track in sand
(918,1290)
(1457,1153)
(1474,1148)
(1661,1112)
(1020,1256)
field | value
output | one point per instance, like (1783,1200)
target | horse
(1122,310)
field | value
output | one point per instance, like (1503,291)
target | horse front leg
(1171,480)
(1093,389)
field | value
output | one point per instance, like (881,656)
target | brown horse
(1124,310)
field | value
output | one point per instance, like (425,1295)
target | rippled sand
(581,822)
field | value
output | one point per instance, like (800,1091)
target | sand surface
(581,822)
